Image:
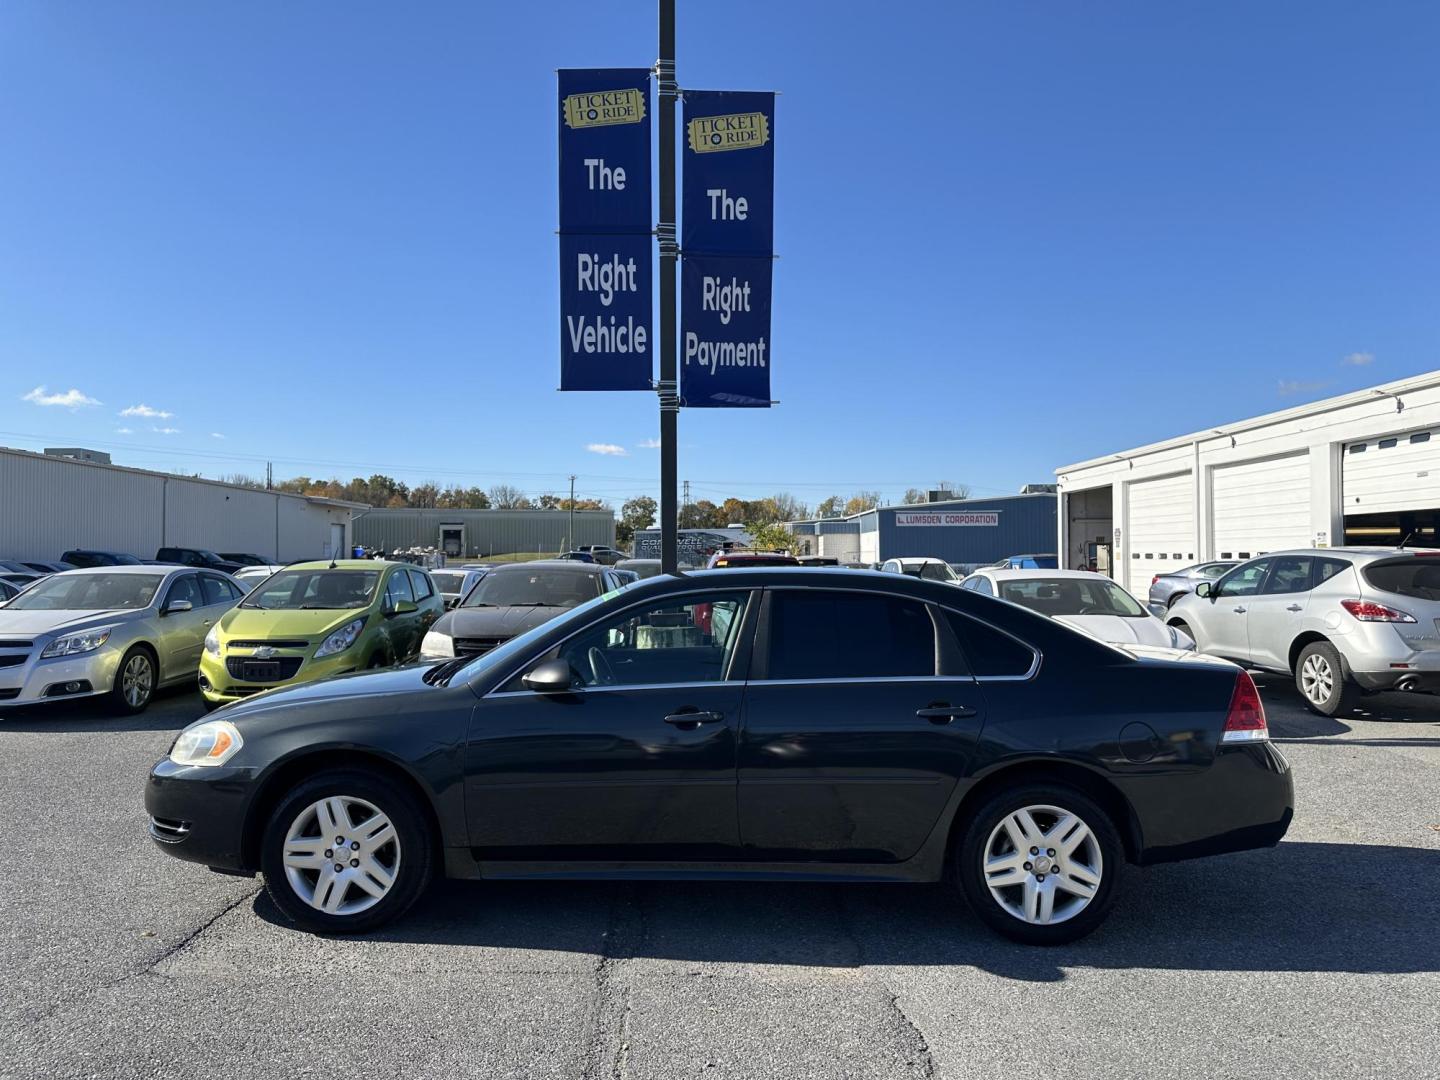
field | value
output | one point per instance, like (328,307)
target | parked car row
(122,631)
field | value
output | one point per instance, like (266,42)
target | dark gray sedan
(1165,589)
(512,599)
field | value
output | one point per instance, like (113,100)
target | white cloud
(166,430)
(609,448)
(70,399)
(649,444)
(1359,359)
(124,431)
(216,435)
(1289,387)
(147,412)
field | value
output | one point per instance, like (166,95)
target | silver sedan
(1165,589)
(116,632)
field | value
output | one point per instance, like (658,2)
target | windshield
(291,590)
(88,592)
(518,645)
(1071,596)
(936,571)
(540,587)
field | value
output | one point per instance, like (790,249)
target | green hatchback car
(313,620)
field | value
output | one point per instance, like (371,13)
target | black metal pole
(669,254)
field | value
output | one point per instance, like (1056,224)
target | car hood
(1119,630)
(288,704)
(494,622)
(30,623)
(260,624)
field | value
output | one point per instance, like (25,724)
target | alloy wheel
(1317,679)
(1042,864)
(341,855)
(137,680)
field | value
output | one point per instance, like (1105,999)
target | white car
(247,577)
(1084,600)
(921,567)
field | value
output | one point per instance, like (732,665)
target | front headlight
(437,646)
(81,641)
(213,742)
(212,641)
(341,639)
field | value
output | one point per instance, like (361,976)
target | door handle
(1294,607)
(943,714)
(688,719)
(1238,610)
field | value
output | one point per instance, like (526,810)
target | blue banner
(605,308)
(728,189)
(605,151)
(725,331)
(606,223)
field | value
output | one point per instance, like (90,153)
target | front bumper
(198,814)
(218,685)
(37,681)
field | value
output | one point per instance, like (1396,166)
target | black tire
(971,854)
(413,865)
(1342,694)
(118,700)
(1173,597)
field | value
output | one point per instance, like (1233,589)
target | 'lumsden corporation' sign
(947,517)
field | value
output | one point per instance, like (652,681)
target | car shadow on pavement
(171,709)
(1301,907)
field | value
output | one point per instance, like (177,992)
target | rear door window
(420,583)
(1291,574)
(218,590)
(816,634)
(990,653)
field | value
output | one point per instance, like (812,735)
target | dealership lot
(1318,958)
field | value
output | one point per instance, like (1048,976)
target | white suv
(1341,620)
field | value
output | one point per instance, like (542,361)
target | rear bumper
(1246,799)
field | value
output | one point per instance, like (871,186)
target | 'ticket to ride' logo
(736,131)
(604,107)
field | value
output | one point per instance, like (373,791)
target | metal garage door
(1261,506)
(1162,529)
(1396,472)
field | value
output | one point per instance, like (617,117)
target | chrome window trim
(711,684)
(750,590)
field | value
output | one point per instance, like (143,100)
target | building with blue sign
(966,531)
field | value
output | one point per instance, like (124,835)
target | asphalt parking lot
(1319,958)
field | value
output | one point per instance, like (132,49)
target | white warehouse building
(1361,468)
(49,505)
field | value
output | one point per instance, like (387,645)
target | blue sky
(1011,235)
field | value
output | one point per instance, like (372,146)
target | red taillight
(1245,722)
(1154,579)
(1369,611)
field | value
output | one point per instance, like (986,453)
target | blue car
(1027,562)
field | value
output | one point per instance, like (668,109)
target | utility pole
(668,388)
(571,545)
(685,500)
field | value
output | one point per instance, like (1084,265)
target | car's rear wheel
(134,681)
(345,852)
(1320,678)
(1039,864)
(1184,628)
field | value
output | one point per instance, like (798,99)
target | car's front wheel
(346,851)
(134,681)
(1320,678)
(1039,864)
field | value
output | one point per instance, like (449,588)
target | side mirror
(551,677)
(176,606)
(1204,590)
(406,607)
